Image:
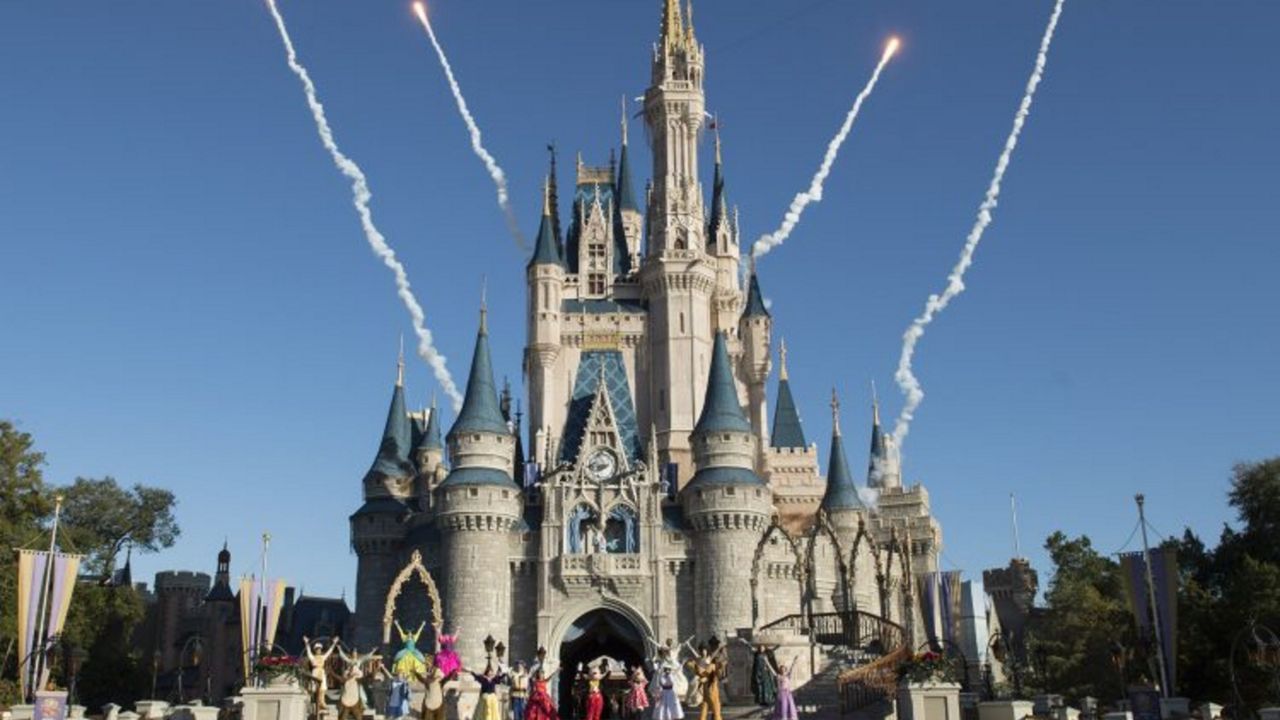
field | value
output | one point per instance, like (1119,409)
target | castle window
(474,492)
(681,322)
(595,283)
(595,251)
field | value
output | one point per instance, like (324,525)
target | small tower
(722,244)
(429,454)
(544,358)
(791,463)
(726,504)
(375,528)
(221,590)
(841,505)
(630,219)
(478,507)
(884,469)
(755,328)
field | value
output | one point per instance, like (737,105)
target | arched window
(622,530)
(581,530)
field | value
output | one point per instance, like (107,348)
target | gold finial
(484,306)
(782,359)
(715,125)
(400,364)
(875,405)
(546,197)
(624,121)
(835,413)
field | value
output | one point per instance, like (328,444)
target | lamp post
(1262,647)
(1120,658)
(75,658)
(155,671)
(196,644)
(501,650)
(489,642)
(996,650)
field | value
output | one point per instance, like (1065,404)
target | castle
(655,500)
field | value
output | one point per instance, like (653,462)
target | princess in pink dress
(446,657)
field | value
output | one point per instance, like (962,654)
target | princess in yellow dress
(409,662)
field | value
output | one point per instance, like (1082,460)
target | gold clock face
(601,465)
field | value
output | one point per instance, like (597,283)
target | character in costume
(595,699)
(668,705)
(447,658)
(351,701)
(637,697)
(398,698)
(665,659)
(433,691)
(764,686)
(408,661)
(709,668)
(489,680)
(540,705)
(785,707)
(519,690)
(318,657)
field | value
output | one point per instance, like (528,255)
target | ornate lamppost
(196,644)
(1120,657)
(489,643)
(1262,647)
(75,657)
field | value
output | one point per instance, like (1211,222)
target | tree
(22,507)
(101,518)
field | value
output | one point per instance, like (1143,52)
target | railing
(869,684)
(853,629)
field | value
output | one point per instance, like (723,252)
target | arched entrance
(598,633)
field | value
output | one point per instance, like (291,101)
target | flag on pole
(32,565)
(62,584)
(260,603)
(1164,585)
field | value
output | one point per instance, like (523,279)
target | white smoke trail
(495,172)
(906,380)
(814,193)
(360,197)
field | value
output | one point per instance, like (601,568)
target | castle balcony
(624,573)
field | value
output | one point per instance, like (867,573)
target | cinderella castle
(655,493)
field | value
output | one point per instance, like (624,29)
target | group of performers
(661,695)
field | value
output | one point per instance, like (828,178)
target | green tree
(23,505)
(101,518)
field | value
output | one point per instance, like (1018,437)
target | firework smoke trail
(814,193)
(360,197)
(905,378)
(495,172)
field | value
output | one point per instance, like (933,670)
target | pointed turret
(755,306)
(480,409)
(718,230)
(429,452)
(878,455)
(546,248)
(787,431)
(628,221)
(221,590)
(842,493)
(721,411)
(626,193)
(392,460)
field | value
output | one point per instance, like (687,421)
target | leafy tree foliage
(101,518)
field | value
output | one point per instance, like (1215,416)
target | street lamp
(196,644)
(489,642)
(1120,656)
(1262,647)
(75,658)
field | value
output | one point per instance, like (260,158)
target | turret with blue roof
(841,494)
(392,463)
(481,446)
(723,443)
(787,431)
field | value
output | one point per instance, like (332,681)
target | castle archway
(605,630)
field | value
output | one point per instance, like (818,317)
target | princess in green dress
(409,662)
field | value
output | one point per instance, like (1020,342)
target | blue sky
(188,300)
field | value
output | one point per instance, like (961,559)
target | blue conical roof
(721,410)
(719,205)
(787,432)
(626,194)
(877,451)
(841,493)
(430,439)
(546,248)
(755,301)
(392,459)
(480,410)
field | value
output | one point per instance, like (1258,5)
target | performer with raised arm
(433,691)
(668,705)
(489,681)
(708,669)
(446,657)
(540,705)
(317,658)
(637,696)
(785,707)
(519,692)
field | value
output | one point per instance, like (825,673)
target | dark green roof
(724,476)
(546,248)
(459,477)
(841,493)
(626,195)
(721,410)
(392,459)
(381,506)
(719,205)
(480,411)
(787,432)
(755,301)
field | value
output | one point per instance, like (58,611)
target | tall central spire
(672,23)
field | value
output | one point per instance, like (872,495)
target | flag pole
(1151,594)
(46,594)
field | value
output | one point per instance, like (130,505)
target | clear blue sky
(188,300)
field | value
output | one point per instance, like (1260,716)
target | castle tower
(755,328)
(630,220)
(376,527)
(544,358)
(428,455)
(840,503)
(726,504)
(221,590)
(478,507)
(791,463)
(884,469)
(678,278)
(722,246)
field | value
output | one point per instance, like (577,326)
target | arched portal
(599,633)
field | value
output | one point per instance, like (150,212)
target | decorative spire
(672,23)
(787,430)
(835,413)
(875,405)
(878,464)
(392,459)
(841,493)
(624,120)
(715,125)
(400,364)
(431,435)
(755,300)
(484,305)
(721,410)
(782,360)
(480,410)
(546,247)
(553,199)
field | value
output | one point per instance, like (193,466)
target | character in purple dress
(784,707)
